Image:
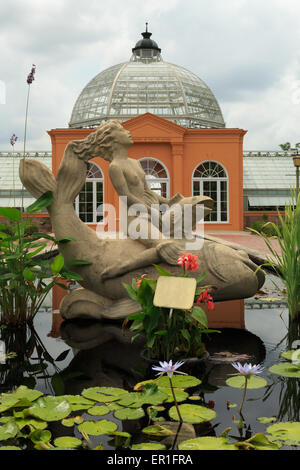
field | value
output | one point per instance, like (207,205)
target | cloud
(246,52)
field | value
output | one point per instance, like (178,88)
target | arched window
(157,176)
(91,196)
(210,179)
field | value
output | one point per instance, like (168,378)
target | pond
(64,358)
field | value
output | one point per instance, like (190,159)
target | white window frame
(218,180)
(94,182)
(159,180)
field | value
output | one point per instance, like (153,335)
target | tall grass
(287,261)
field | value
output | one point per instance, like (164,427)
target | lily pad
(69,422)
(158,430)
(207,443)
(10,448)
(258,442)
(254,382)
(40,435)
(192,413)
(31,422)
(67,442)
(148,446)
(8,430)
(97,428)
(178,381)
(77,402)
(286,369)
(50,408)
(287,432)
(98,410)
(22,392)
(180,395)
(129,413)
(291,355)
(150,394)
(104,394)
(266,420)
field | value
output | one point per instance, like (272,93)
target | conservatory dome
(146,83)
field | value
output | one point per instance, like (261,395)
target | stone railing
(29,153)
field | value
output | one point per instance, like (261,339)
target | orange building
(175,159)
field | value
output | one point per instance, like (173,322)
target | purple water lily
(247,369)
(168,367)
(13,140)
(30,77)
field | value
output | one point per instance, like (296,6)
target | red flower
(138,283)
(206,298)
(188,261)
(211,404)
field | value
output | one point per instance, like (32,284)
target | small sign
(175,292)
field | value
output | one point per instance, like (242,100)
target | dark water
(89,354)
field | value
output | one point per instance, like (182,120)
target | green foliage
(24,425)
(286,260)
(176,335)
(26,280)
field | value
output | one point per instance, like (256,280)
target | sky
(246,51)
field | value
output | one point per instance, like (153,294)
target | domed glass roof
(144,84)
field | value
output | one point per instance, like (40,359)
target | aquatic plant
(178,333)
(286,262)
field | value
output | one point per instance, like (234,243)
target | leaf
(42,202)
(77,402)
(10,448)
(253,382)
(178,381)
(11,213)
(266,420)
(79,262)
(8,430)
(40,435)
(286,369)
(98,410)
(207,443)
(65,240)
(67,442)
(72,276)
(57,264)
(129,413)
(161,271)
(199,315)
(63,355)
(157,430)
(148,446)
(50,408)
(258,442)
(286,432)
(69,422)
(150,394)
(58,384)
(192,413)
(291,355)
(97,428)
(104,394)
(28,275)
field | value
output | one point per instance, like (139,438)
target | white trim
(218,180)
(94,182)
(160,180)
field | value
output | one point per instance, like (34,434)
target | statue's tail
(70,179)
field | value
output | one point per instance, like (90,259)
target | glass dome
(144,84)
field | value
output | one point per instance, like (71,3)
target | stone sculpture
(115,261)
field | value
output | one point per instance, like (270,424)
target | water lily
(247,369)
(168,368)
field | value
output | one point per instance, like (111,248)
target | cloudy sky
(247,51)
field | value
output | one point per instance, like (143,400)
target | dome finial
(146,27)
